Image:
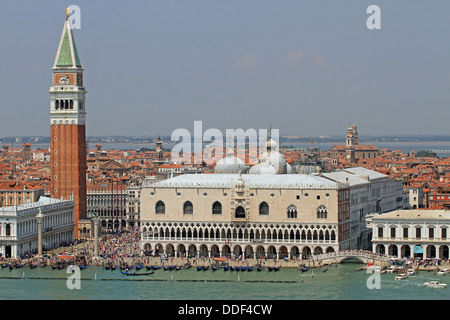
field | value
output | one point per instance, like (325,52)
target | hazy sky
(306,67)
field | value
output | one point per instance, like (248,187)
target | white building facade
(417,233)
(19,226)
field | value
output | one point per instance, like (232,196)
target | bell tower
(68,125)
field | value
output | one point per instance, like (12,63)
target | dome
(262,168)
(271,161)
(230,164)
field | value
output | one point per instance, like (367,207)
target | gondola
(149,267)
(205,267)
(154,267)
(139,267)
(107,267)
(270,268)
(11,266)
(260,268)
(177,268)
(243,268)
(166,268)
(137,273)
(54,266)
(113,267)
(305,269)
(83,266)
(232,268)
(199,268)
(215,268)
(276,268)
(226,268)
(32,266)
(250,269)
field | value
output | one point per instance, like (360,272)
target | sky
(304,67)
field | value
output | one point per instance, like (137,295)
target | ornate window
(239,212)
(217,208)
(322,212)
(160,207)
(292,212)
(264,208)
(188,208)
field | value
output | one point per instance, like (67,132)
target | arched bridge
(363,256)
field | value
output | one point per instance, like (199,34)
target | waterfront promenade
(122,249)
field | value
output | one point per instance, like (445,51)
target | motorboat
(443,272)
(391,269)
(401,276)
(411,272)
(435,284)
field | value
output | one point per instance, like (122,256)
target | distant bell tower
(350,143)
(68,125)
(159,151)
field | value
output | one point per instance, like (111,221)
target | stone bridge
(362,256)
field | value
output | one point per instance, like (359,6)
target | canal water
(340,282)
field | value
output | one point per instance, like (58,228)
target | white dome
(262,168)
(230,164)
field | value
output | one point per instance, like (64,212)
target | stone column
(39,218)
(95,219)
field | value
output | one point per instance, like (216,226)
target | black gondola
(137,273)
(205,267)
(276,268)
(304,269)
(260,268)
(199,268)
(270,268)
(149,267)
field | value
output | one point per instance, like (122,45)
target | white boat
(391,269)
(443,272)
(435,284)
(411,272)
(401,276)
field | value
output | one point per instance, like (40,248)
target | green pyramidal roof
(67,55)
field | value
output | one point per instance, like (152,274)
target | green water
(338,283)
